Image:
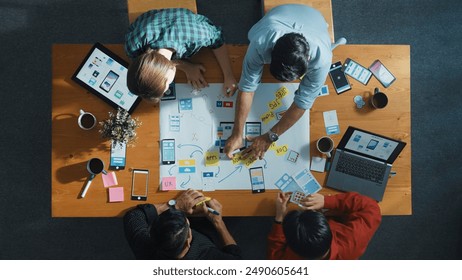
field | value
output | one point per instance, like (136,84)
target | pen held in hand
(213,211)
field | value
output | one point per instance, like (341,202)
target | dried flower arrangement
(120,128)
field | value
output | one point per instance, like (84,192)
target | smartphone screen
(109,81)
(252,129)
(118,155)
(140,179)
(338,78)
(357,71)
(257,180)
(382,74)
(168,151)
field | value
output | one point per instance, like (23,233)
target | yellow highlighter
(203,201)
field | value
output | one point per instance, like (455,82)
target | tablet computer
(104,74)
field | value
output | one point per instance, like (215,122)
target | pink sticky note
(110,179)
(116,194)
(168,183)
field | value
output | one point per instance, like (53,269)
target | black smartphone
(140,180)
(382,74)
(118,156)
(170,94)
(252,129)
(257,179)
(340,81)
(357,71)
(109,81)
(167,150)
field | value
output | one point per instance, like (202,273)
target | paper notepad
(116,194)
(110,179)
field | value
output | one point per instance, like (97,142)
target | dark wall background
(29,28)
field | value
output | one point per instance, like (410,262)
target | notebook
(362,162)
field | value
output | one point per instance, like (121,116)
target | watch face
(273,136)
(172,202)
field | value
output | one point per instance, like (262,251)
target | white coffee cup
(325,145)
(86,120)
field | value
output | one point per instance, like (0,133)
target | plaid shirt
(179,29)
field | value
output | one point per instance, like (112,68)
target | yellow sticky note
(281,150)
(237,158)
(249,161)
(212,158)
(272,146)
(187,162)
(274,104)
(267,117)
(281,93)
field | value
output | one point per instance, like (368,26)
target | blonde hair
(147,75)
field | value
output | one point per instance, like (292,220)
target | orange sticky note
(116,194)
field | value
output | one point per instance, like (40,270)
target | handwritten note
(274,104)
(212,158)
(281,150)
(168,183)
(281,93)
(267,117)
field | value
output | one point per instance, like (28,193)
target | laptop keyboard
(362,168)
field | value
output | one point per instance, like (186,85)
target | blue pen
(213,211)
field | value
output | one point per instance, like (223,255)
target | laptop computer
(362,162)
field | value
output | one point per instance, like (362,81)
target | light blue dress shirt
(263,36)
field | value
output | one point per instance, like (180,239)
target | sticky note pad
(116,194)
(168,184)
(281,150)
(281,93)
(110,179)
(267,117)
(212,158)
(318,164)
(274,104)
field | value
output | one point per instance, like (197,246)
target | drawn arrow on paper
(236,169)
(192,145)
(170,170)
(218,172)
(191,155)
(265,163)
(185,183)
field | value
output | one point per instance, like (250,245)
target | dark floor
(29,28)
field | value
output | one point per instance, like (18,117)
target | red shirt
(355,222)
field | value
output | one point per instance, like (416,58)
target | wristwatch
(272,136)
(171,203)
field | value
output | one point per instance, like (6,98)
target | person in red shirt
(342,232)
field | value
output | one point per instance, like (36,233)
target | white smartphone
(382,74)
(118,156)
(140,180)
(357,71)
(168,151)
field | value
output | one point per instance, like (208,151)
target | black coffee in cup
(379,100)
(95,166)
(87,121)
(325,145)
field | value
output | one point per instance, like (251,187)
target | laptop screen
(371,145)
(105,74)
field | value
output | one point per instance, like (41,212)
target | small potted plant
(120,128)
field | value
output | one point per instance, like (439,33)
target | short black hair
(290,57)
(169,233)
(307,233)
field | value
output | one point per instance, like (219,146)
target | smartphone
(257,180)
(109,81)
(168,151)
(140,179)
(340,81)
(118,155)
(252,129)
(357,71)
(382,74)
(170,94)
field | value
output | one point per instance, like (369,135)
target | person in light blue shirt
(294,40)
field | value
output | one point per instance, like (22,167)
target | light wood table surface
(72,147)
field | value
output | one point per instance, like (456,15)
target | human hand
(215,205)
(313,201)
(229,86)
(194,74)
(260,145)
(233,143)
(187,201)
(281,205)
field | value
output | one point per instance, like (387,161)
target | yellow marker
(203,201)
(212,158)
(281,150)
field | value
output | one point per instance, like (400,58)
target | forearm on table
(222,57)
(292,115)
(243,104)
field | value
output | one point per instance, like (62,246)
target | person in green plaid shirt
(161,41)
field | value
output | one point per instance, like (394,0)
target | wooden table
(73,147)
